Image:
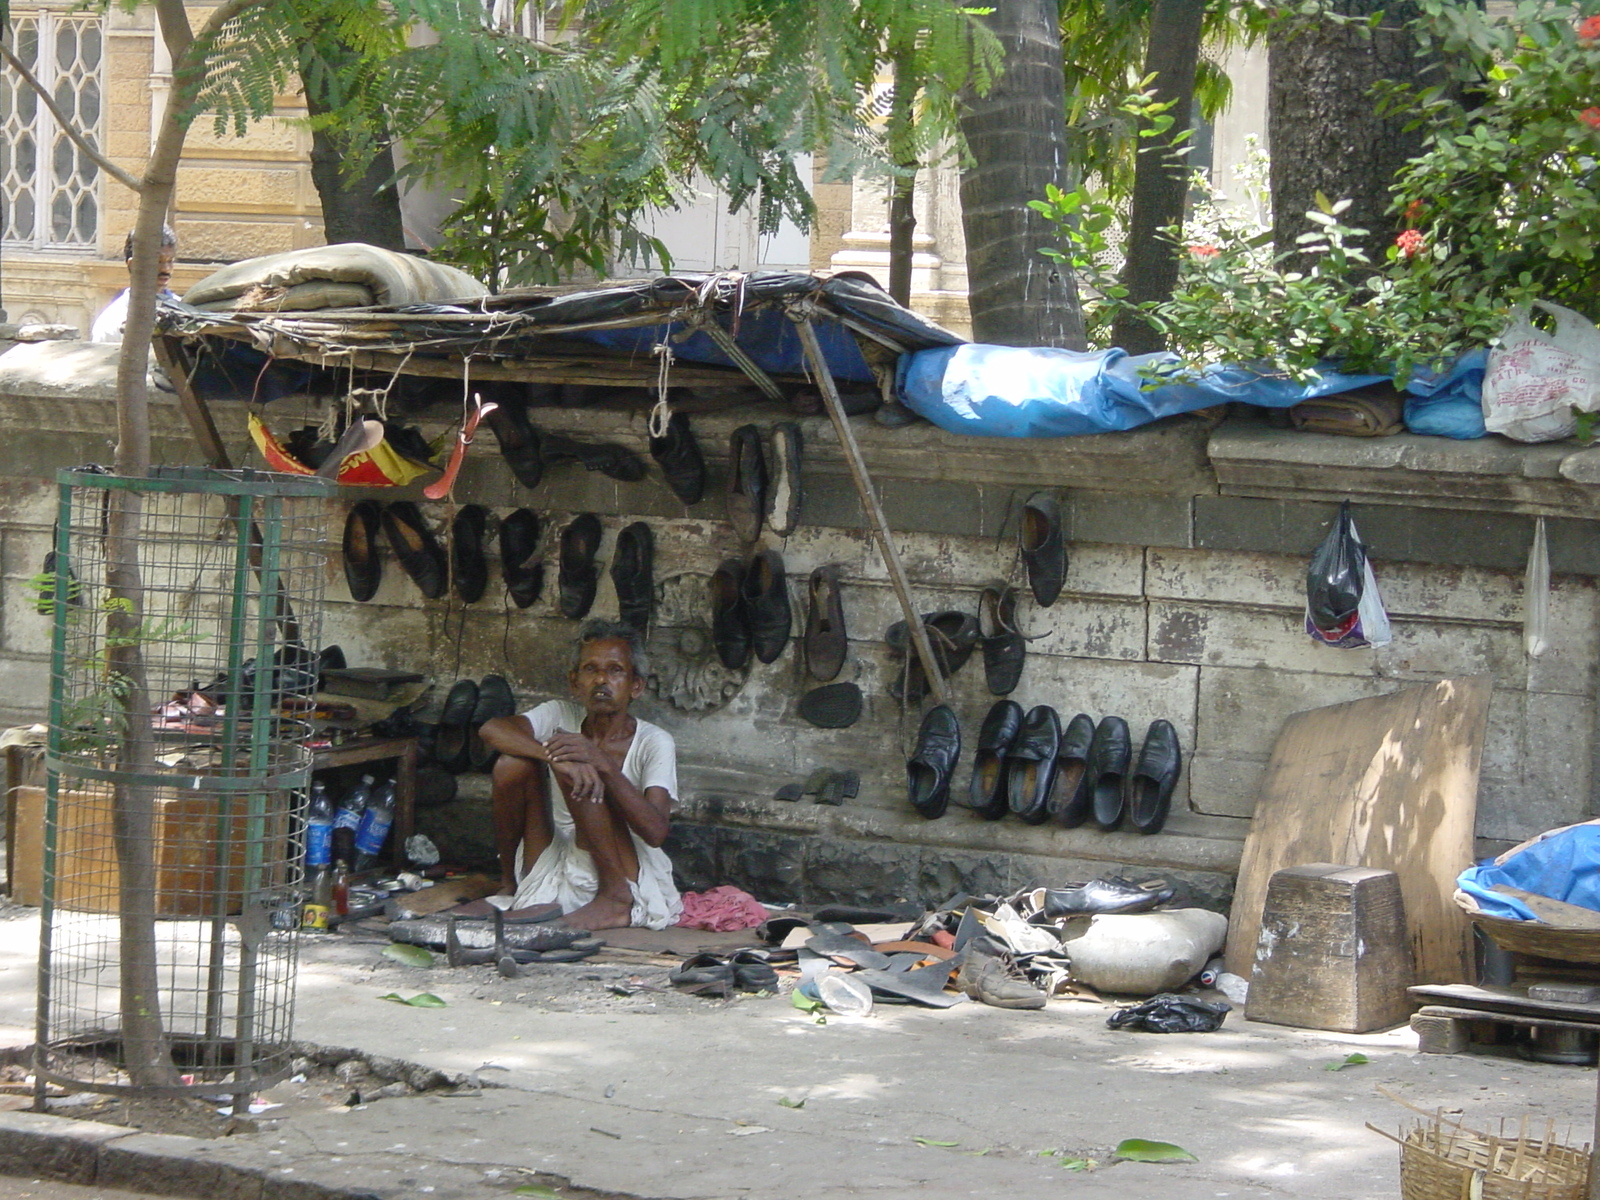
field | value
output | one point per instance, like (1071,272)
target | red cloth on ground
(721,910)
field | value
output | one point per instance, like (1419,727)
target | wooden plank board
(1388,782)
(1506,999)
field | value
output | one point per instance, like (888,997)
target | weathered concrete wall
(1182,601)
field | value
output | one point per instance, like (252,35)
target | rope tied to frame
(661,414)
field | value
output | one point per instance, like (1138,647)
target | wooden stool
(1333,952)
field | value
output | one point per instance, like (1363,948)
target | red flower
(1414,210)
(1204,251)
(1410,242)
(1589,29)
(1590,117)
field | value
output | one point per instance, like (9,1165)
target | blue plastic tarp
(1563,864)
(1018,391)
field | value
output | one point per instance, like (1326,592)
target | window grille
(49,188)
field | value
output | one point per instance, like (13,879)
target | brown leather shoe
(827,645)
(747,483)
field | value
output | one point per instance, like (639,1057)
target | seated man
(592,842)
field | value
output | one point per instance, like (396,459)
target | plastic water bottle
(375,823)
(319,829)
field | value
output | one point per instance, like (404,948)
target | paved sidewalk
(659,1096)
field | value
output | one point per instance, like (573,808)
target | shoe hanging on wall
(1154,776)
(827,644)
(578,576)
(933,762)
(632,573)
(1073,802)
(1031,764)
(747,483)
(520,564)
(419,552)
(987,794)
(678,454)
(785,494)
(1108,764)
(1044,547)
(1005,650)
(467,533)
(363,567)
(766,604)
(730,627)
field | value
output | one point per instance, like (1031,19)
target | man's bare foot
(601,913)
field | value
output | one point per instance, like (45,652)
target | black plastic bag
(1336,577)
(1172,1013)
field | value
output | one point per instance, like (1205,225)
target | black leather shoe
(1044,547)
(747,483)
(987,794)
(766,605)
(466,552)
(417,549)
(1108,764)
(495,700)
(784,492)
(452,746)
(520,443)
(363,569)
(632,572)
(680,459)
(1074,800)
(730,627)
(1031,764)
(578,575)
(1112,895)
(1154,776)
(827,644)
(953,636)
(1004,649)
(608,458)
(933,762)
(520,564)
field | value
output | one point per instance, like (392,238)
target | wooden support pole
(193,406)
(869,504)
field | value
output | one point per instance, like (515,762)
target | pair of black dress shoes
(1094,781)
(762,489)
(750,611)
(1017,760)
(632,570)
(453,738)
(423,559)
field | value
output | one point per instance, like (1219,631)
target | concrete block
(1130,520)
(942,875)
(1274,526)
(1086,627)
(771,866)
(831,500)
(1224,786)
(40,1146)
(843,872)
(1537,764)
(164,1165)
(694,851)
(932,506)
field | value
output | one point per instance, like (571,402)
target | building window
(48,186)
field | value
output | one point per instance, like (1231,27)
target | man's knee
(512,774)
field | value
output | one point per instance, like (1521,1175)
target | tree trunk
(1322,129)
(1160,177)
(355,208)
(902,191)
(1016,136)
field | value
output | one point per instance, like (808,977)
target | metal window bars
(233,565)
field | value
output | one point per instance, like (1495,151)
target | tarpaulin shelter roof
(718,328)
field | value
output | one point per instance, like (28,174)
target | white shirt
(108,325)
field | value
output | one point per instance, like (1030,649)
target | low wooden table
(367,750)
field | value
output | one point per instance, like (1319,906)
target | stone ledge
(1491,474)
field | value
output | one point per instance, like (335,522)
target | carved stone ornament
(685,671)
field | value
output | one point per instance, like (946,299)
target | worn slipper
(703,973)
(483,910)
(752,972)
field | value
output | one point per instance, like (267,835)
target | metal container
(1556,1044)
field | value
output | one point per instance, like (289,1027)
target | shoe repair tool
(440,488)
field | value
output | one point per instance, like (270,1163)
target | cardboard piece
(1389,782)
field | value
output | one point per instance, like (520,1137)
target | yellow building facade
(63,221)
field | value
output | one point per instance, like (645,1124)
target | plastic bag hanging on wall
(1536,595)
(1343,607)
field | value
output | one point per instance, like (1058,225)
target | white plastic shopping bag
(1536,381)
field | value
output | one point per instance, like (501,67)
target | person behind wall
(583,792)
(108,325)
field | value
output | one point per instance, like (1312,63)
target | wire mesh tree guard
(176,850)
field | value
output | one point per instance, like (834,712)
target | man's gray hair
(601,630)
(169,241)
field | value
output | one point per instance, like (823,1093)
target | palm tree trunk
(1016,136)
(1161,173)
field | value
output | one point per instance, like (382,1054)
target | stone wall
(1183,600)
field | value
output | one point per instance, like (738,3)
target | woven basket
(1440,1160)
(1541,940)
